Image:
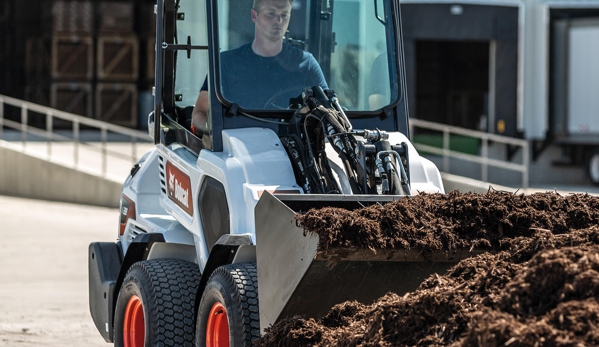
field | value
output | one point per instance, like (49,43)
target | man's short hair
(257,4)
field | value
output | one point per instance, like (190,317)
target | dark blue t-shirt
(250,80)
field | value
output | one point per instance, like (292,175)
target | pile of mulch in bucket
(450,221)
(540,286)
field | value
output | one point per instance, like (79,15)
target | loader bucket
(294,278)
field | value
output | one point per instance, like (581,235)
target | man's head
(271,18)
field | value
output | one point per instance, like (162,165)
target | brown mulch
(539,288)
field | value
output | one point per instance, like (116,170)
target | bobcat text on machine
(208,253)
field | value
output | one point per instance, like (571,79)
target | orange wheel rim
(217,329)
(134,329)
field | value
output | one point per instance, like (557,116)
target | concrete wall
(28,176)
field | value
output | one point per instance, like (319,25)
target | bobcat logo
(171,182)
(179,188)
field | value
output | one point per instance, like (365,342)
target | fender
(104,263)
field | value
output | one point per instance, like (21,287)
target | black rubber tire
(167,289)
(235,287)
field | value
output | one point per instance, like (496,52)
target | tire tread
(244,277)
(171,285)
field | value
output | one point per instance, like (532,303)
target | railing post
(446,149)
(24,124)
(485,159)
(76,142)
(49,126)
(525,161)
(104,139)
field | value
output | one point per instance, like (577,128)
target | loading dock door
(452,82)
(462,65)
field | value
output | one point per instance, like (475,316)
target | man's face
(272,19)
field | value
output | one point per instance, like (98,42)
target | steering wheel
(272,101)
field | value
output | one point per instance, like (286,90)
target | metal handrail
(77,121)
(483,158)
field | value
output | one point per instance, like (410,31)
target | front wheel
(155,304)
(228,313)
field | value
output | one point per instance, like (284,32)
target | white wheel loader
(208,251)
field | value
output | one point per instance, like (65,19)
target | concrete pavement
(43,271)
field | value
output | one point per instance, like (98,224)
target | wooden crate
(117,103)
(73,17)
(118,58)
(116,17)
(72,57)
(74,98)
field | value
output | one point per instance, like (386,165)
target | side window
(192,71)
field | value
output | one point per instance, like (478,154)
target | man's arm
(199,116)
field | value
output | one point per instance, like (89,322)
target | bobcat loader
(208,251)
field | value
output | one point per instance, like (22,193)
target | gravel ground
(43,271)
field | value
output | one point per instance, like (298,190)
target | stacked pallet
(72,58)
(89,63)
(117,65)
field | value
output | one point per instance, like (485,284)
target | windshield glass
(271,50)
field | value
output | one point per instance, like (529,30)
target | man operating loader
(259,73)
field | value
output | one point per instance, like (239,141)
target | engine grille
(161,170)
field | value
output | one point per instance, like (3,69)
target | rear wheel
(228,313)
(155,304)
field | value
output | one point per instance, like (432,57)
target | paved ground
(43,271)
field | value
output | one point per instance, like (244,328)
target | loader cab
(356,44)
